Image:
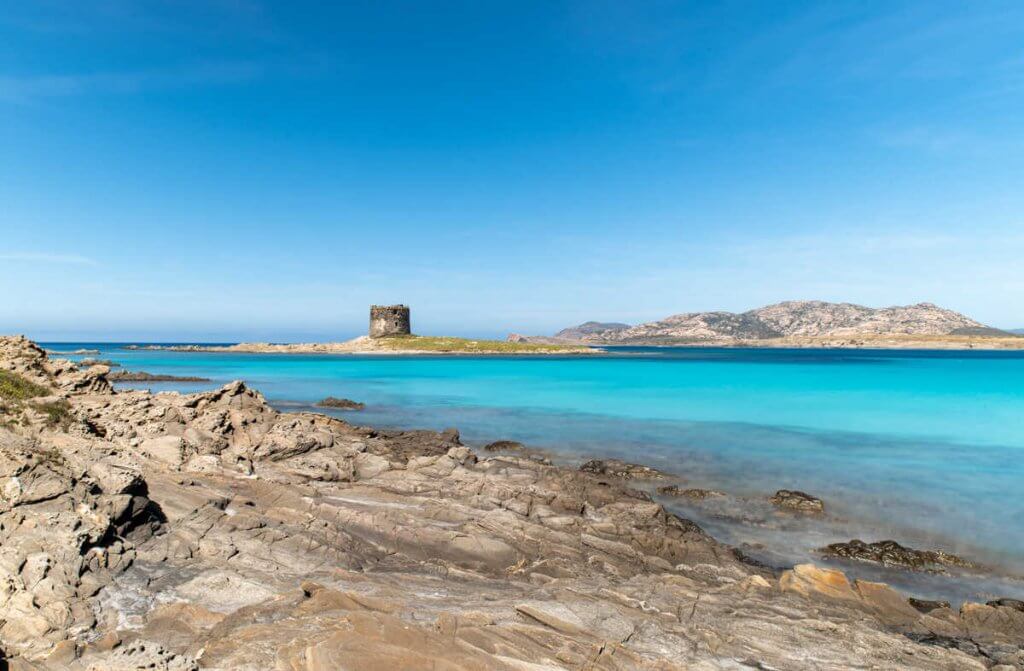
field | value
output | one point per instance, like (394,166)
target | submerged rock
(891,553)
(689,493)
(340,404)
(518,449)
(141,376)
(99,362)
(504,446)
(615,468)
(797,500)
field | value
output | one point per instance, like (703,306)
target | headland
(798,324)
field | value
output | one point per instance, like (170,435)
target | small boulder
(798,501)
(504,446)
(168,449)
(926,605)
(808,579)
(370,465)
(691,493)
(340,404)
(615,468)
(891,553)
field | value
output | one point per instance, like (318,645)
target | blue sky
(234,169)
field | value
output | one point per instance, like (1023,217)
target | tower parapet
(389,320)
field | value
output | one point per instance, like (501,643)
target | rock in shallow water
(891,553)
(615,468)
(340,404)
(504,446)
(689,493)
(797,500)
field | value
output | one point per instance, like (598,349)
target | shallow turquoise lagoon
(926,447)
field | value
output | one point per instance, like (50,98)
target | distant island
(798,324)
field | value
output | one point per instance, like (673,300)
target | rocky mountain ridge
(790,319)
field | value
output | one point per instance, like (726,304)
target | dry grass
(57,413)
(14,387)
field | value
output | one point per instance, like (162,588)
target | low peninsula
(398,344)
(390,332)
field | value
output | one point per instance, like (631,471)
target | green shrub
(58,414)
(450,344)
(14,387)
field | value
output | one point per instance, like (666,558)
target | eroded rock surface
(209,531)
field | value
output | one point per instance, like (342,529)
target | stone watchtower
(389,320)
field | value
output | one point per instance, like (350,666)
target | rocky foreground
(209,531)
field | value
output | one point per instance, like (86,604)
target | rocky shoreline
(210,531)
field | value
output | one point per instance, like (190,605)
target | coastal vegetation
(397,344)
(448,344)
(17,394)
(15,388)
(56,414)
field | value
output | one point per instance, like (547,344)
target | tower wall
(389,320)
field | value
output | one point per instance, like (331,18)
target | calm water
(924,447)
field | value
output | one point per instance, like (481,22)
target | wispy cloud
(44,257)
(26,89)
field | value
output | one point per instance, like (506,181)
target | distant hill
(814,319)
(1017,331)
(591,328)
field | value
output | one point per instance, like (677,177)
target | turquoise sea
(925,447)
